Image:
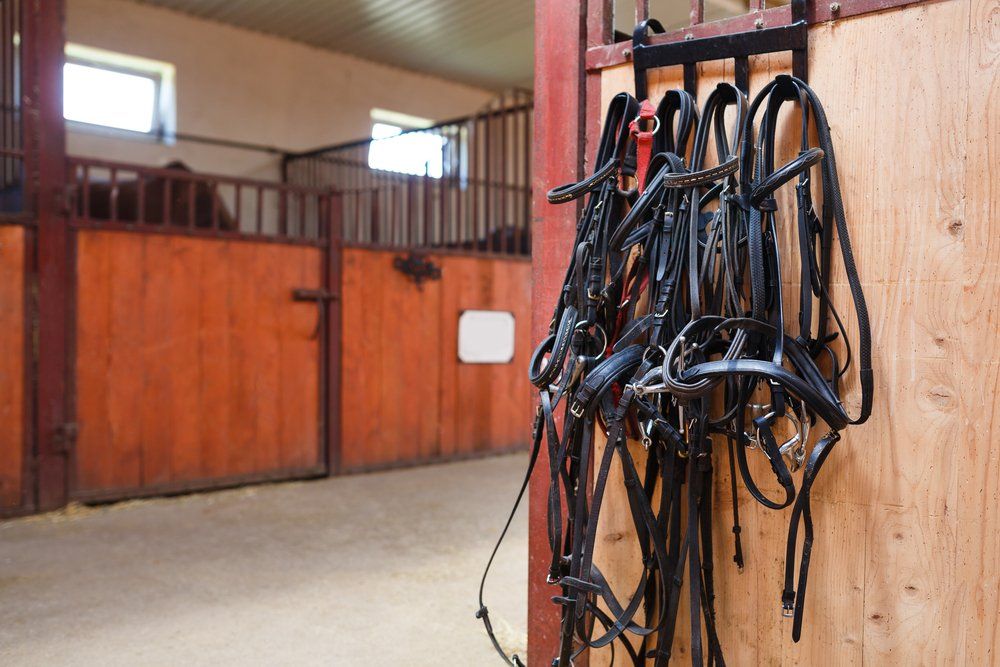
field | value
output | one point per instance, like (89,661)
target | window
(105,97)
(111,90)
(396,147)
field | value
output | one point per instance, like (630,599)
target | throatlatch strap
(643,141)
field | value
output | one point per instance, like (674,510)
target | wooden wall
(406,398)
(12,370)
(907,556)
(193,364)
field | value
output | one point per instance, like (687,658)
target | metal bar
(314,152)
(332,325)
(558,158)
(603,55)
(460,252)
(214,223)
(642,10)
(140,212)
(410,219)
(489,178)
(426,208)
(260,211)
(697,13)
(453,232)
(167,201)
(474,185)
(282,214)
(238,205)
(766,40)
(86,191)
(374,223)
(42,46)
(742,74)
(195,232)
(198,177)
(609,55)
(391,195)
(357,216)
(302,214)
(192,201)
(113,196)
(501,241)
(526,159)
(443,192)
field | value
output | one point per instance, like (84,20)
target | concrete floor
(377,569)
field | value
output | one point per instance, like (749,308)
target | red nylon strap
(643,142)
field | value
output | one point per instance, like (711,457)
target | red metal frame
(330,357)
(558,158)
(42,46)
(605,54)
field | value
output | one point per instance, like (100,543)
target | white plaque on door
(486,337)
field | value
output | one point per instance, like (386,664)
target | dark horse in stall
(97,205)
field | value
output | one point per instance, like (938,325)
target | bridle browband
(671,331)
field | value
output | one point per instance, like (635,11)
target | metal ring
(656,123)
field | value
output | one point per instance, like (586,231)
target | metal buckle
(577,409)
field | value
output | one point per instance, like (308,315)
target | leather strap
(671,331)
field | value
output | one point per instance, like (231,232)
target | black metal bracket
(740,46)
(417,268)
(306,294)
(322,298)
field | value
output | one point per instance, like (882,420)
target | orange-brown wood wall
(11,366)
(405,395)
(193,363)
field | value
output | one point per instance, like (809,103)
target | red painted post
(697,12)
(558,158)
(45,138)
(331,380)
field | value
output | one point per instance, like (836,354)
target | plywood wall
(906,563)
(12,361)
(406,397)
(193,363)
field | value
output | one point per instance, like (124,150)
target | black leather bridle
(670,325)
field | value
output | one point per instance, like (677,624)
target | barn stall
(166,330)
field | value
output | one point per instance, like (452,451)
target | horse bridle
(669,324)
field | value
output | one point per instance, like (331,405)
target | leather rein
(671,338)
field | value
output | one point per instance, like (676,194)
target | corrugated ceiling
(488,43)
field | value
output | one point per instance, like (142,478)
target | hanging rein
(671,331)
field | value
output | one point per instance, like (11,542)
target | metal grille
(476,197)
(11,149)
(176,200)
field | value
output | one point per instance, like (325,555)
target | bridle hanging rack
(740,46)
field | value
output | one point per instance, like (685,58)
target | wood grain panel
(406,398)
(905,566)
(193,363)
(977,468)
(12,366)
